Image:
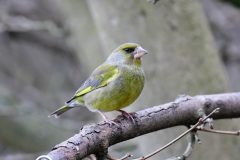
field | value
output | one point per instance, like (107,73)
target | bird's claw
(127,115)
(111,122)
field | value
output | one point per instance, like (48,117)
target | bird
(113,85)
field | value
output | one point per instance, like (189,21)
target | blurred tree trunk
(84,37)
(224,19)
(182,60)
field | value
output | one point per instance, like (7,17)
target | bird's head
(128,53)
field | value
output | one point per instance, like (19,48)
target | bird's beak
(139,53)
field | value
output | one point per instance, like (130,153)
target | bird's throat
(137,62)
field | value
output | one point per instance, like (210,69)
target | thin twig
(191,142)
(200,122)
(126,157)
(235,133)
(123,158)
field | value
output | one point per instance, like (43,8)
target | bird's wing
(100,77)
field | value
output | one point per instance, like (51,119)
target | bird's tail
(60,111)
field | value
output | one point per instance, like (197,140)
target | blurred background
(49,47)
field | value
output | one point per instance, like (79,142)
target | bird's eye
(129,50)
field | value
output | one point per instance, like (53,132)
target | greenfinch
(113,85)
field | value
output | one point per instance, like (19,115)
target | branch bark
(185,110)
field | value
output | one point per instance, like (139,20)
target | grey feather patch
(74,104)
(95,82)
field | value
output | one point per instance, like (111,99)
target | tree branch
(186,110)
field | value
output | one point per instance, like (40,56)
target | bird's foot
(106,120)
(128,115)
(111,122)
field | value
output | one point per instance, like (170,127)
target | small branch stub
(44,157)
